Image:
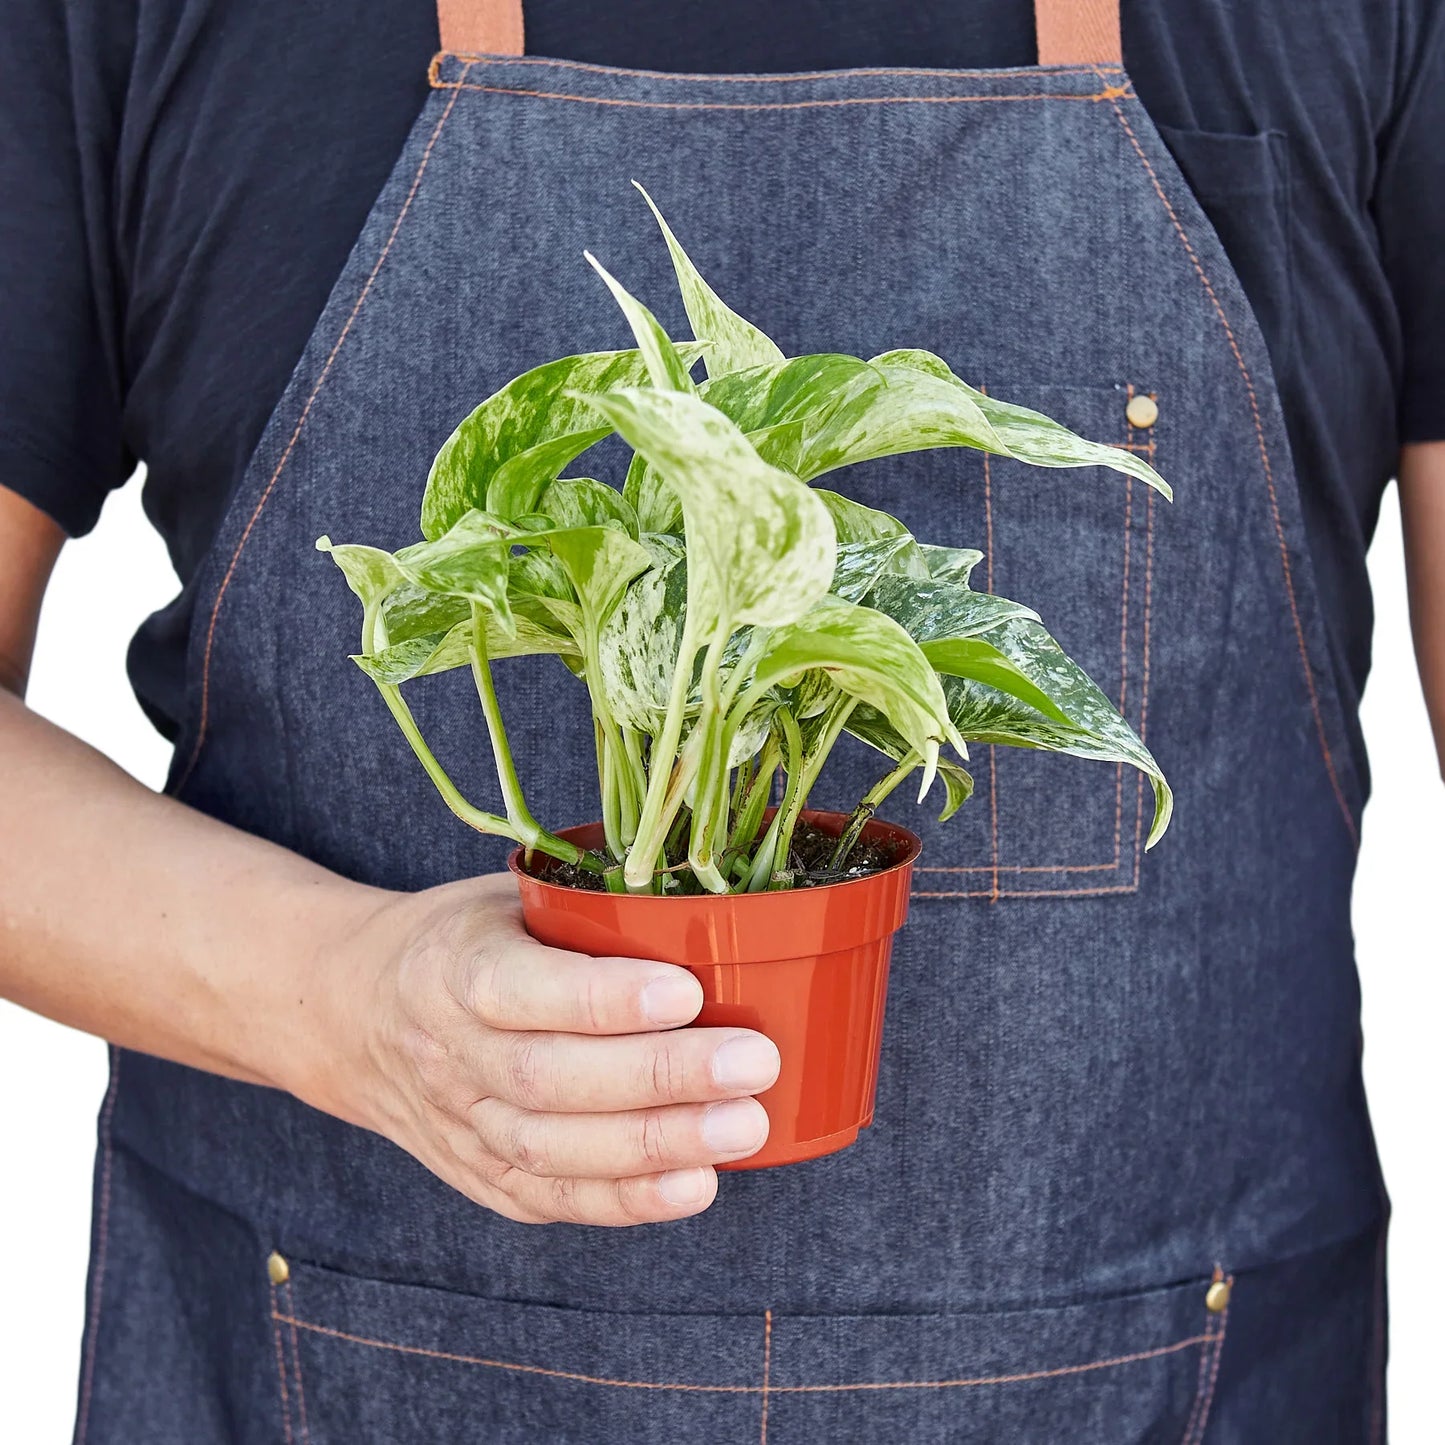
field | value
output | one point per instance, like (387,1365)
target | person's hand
(546,1085)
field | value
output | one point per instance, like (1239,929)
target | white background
(51,1080)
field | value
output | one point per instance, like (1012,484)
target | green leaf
(600,561)
(950,564)
(932,610)
(666,366)
(734,343)
(874,729)
(805,390)
(469,560)
(861,565)
(440,651)
(1094,728)
(524,435)
(369,572)
(958,783)
(1026,435)
(583,502)
(869,657)
(972,657)
(760,544)
(638,645)
(656,504)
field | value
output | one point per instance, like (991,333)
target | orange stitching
(1031,892)
(291,444)
(281,1368)
(1020,867)
(1315,706)
(767,1371)
(434,70)
(296,1356)
(1124,637)
(628,104)
(107,1113)
(1202,1423)
(1202,1374)
(995,868)
(1001,1379)
(1144,691)
(456,1359)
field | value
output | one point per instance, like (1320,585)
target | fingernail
(683,1186)
(671,998)
(750,1062)
(736,1127)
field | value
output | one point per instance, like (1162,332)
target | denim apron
(1121,1185)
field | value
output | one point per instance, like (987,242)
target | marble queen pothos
(728,617)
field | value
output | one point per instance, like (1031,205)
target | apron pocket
(1076,545)
(363,1362)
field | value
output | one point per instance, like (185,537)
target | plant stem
(525,825)
(749,813)
(473,817)
(652,826)
(765,860)
(875,795)
(839,712)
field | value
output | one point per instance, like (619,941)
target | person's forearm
(1422,508)
(135,918)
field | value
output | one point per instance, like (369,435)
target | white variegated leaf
(369,572)
(760,544)
(733,343)
(524,435)
(1026,435)
(867,656)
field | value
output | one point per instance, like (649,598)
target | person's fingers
(632,1142)
(517,983)
(571,1073)
(648,1199)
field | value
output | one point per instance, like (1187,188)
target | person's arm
(542,1084)
(1422,509)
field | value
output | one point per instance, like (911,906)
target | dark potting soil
(808,860)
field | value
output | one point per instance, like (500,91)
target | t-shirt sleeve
(60,407)
(1410,215)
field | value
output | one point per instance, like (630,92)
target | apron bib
(1121,1185)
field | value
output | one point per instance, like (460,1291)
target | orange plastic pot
(807,967)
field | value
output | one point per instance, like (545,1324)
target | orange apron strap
(481,27)
(1078,32)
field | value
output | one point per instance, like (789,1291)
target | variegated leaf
(583,502)
(760,544)
(524,435)
(666,366)
(950,564)
(638,643)
(429,653)
(468,560)
(369,572)
(869,657)
(733,342)
(1026,435)
(1094,730)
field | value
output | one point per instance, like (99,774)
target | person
(1121,1185)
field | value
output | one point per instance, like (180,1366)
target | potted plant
(730,621)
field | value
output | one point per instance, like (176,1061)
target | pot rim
(812,815)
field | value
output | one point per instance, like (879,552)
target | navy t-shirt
(181,182)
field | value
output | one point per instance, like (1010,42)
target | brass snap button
(1216,1297)
(277,1268)
(1142,411)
